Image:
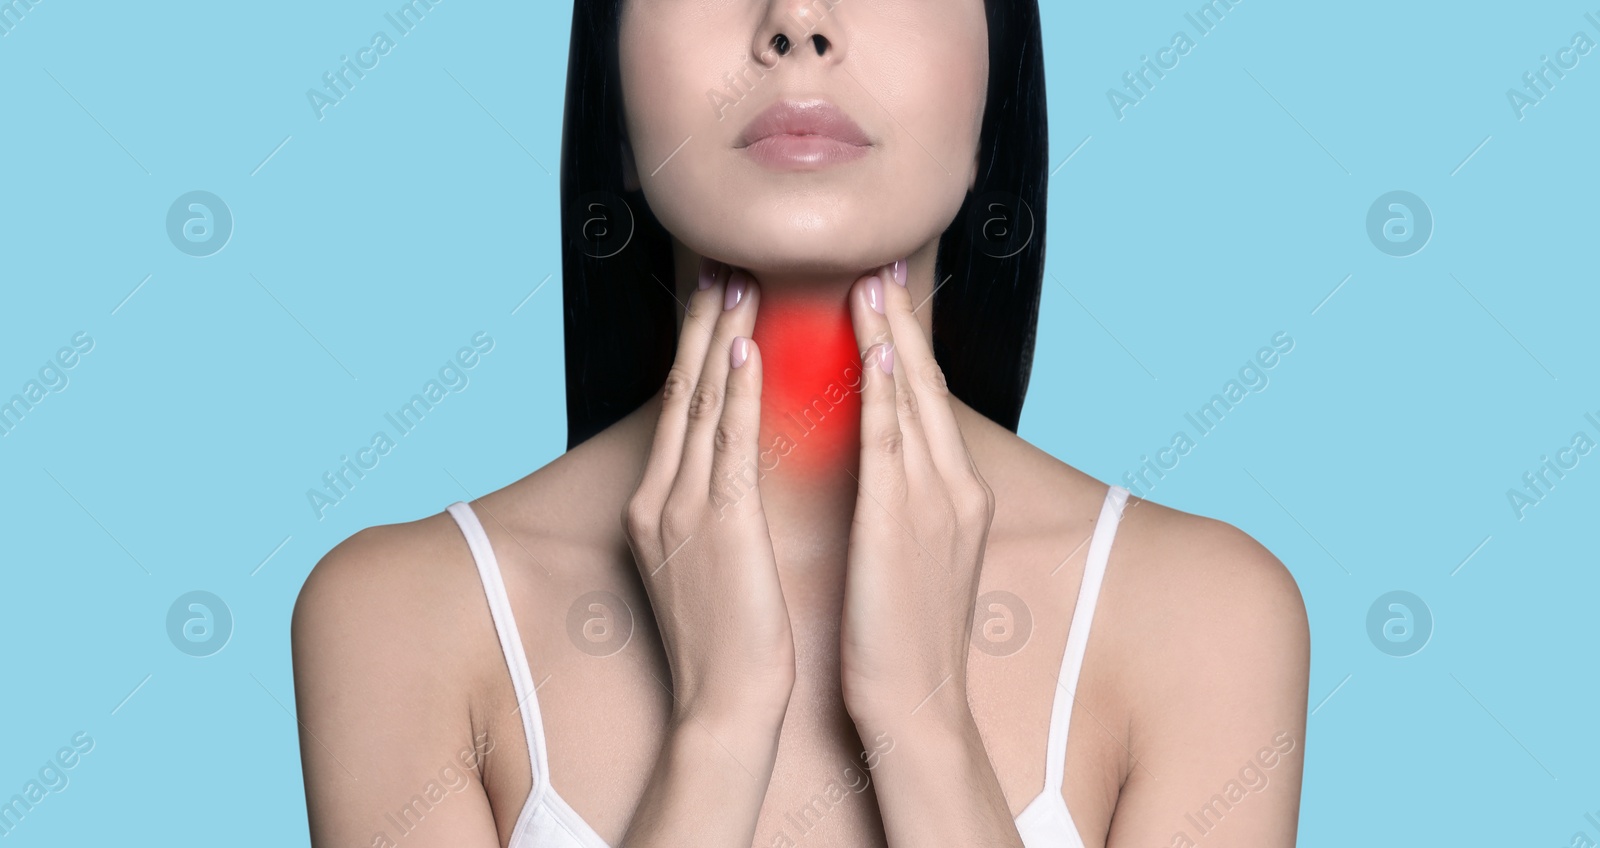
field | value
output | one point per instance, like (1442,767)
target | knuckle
(891,442)
(906,404)
(973,502)
(705,402)
(677,386)
(728,436)
(640,518)
(932,379)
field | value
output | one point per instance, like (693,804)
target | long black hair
(617,265)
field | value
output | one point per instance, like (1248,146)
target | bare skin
(805,654)
(1198,661)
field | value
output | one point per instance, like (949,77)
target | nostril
(780,42)
(822,44)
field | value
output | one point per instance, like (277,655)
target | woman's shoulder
(389,598)
(1186,581)
(422,571)
(1199,576)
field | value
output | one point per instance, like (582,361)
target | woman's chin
(823,255)
(815,235)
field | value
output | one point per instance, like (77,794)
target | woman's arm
(1218,676)
(386,742)
(699,538)
(916,548)
(1219,697)
(383,665)
(934,781)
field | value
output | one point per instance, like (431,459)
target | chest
(602,702)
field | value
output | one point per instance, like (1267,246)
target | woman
(782,640)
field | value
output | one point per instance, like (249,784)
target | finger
(882,441)
(694,339)
(918,460)
(925,379)
(738,318)
(734,469)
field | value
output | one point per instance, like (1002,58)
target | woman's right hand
(699,538)
(696,526)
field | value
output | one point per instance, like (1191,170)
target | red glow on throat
(811,386)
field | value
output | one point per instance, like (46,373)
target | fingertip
(744,375)
(869,305)
(880,358)
(752,361)
(752,294)
(710,287)
(744,356)
(897,296)
(872,293)
(738,283)
(865,279)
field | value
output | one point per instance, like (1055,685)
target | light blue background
(1223,208)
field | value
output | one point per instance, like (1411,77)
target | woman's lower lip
(803,152)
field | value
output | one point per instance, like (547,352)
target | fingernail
(875,294)
(886,362)
(900,271)
(735,293)
(708,273)
(739,352)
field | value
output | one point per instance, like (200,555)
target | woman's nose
(800,29)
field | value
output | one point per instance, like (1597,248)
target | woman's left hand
(921,522)
(916,548)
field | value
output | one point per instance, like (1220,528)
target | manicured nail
(739,351)
(875,294)
(886,362)
(900,271)
(735,293)
(708,273)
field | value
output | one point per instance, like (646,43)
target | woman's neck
(810,435)
(811,381)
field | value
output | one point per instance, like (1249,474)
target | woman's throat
(811,386)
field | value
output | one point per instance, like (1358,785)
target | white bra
(548,821)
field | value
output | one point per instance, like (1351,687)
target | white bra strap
(505,625)
(1094,571)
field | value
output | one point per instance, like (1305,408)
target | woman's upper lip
(803,117)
